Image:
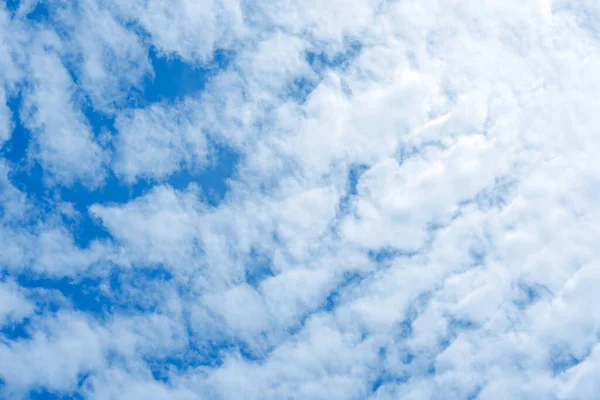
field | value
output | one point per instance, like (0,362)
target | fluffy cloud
(158,141)
(15,306)
(411,213)
(62,138)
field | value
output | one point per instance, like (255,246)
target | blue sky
(361,199)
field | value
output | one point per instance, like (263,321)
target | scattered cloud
(351,200)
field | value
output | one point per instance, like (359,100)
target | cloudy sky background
(358,199)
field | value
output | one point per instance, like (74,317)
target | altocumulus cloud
(359,199)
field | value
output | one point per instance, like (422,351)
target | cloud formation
(299,199)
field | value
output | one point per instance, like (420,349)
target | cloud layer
(299,199)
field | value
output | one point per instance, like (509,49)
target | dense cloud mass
(299,199)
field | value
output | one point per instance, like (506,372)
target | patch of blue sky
(497,196)
(259,268)
(454,328)
(354,174)
(384,376)
(478,257)
(12,5)
(46,394)
(39,13)
(83,293)
(528,294)
(345,202)
(174,78)
(404,330)
(349,280)
(15,331)
(474,394)
(213,180)
(385,379)
(26,174)
(210,353)
(100,122)
(561,363)
(320,61)
(301,87)
(561,358)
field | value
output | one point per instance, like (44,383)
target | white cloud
(158,141)
(118,384)
(184,28)
(14,305)
(62,138)
(156,229)
(114,59)
(52,359)
(12,34)
(460,261)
